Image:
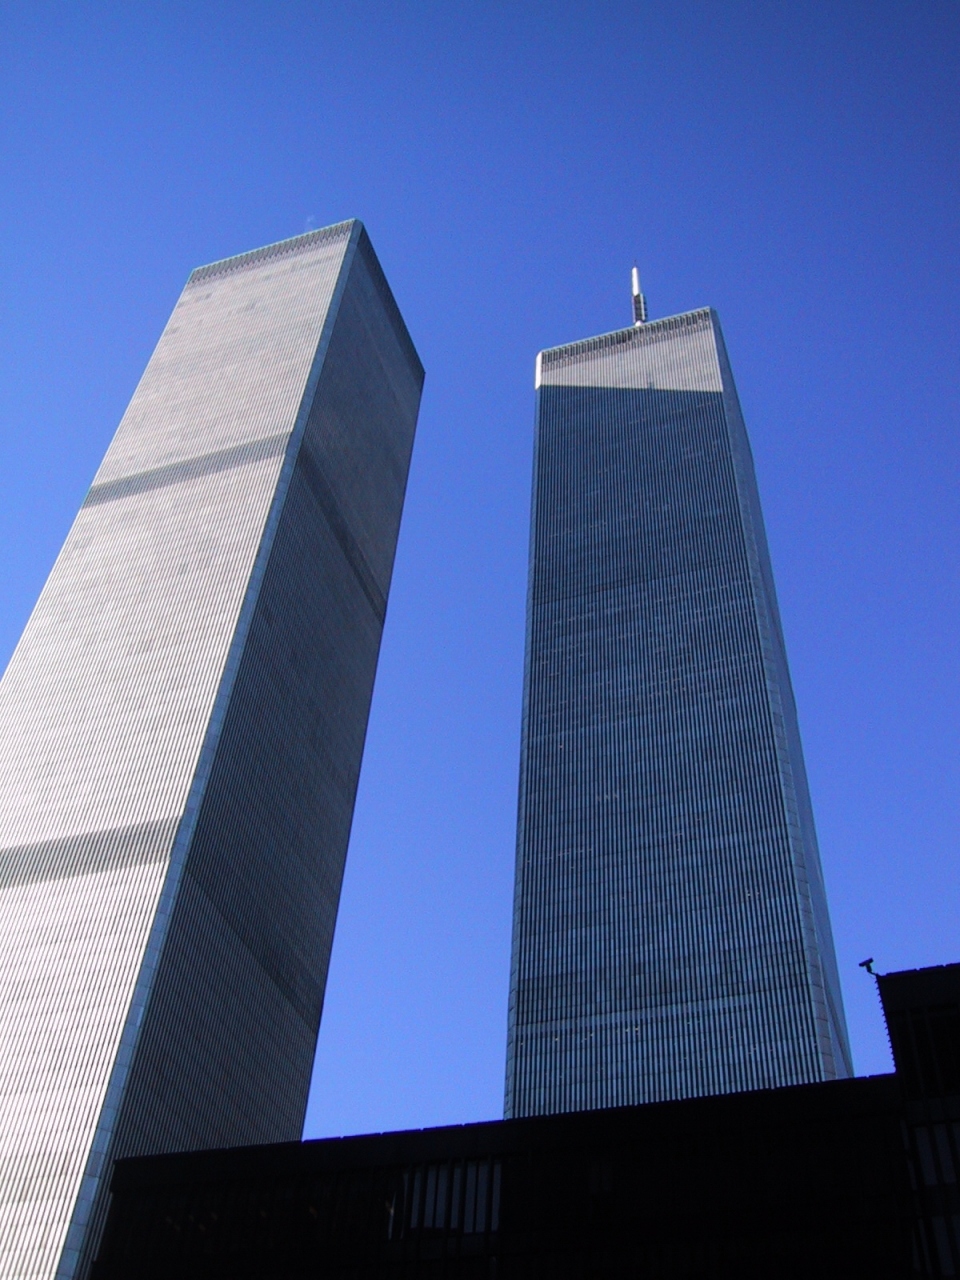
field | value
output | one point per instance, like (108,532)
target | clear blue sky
(794,165)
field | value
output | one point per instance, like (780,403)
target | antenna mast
(639,301)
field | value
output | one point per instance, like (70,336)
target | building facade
(181,728)
(671,936)
(922,1008)
(785,1183)
(848,1180)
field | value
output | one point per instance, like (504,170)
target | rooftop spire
(639,301)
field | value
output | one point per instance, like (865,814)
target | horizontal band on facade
(207,464)
(282,249)
(87,854)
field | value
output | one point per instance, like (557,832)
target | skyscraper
(670,933)
(181,727)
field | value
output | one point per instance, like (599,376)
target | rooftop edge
(648,332)
(280,249)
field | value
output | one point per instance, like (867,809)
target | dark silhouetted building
(922,1007)
(842,1180)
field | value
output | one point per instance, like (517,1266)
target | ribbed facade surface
(670,936)
(181,727)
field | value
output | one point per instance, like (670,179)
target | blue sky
(793,165)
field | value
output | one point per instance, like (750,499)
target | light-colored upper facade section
(232,363)
(675,354)
(105,702)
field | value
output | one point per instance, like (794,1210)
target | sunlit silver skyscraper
(181,728)
(670,932)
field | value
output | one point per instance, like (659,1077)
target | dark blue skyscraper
(671,935)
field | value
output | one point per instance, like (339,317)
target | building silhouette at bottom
(847,1178)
